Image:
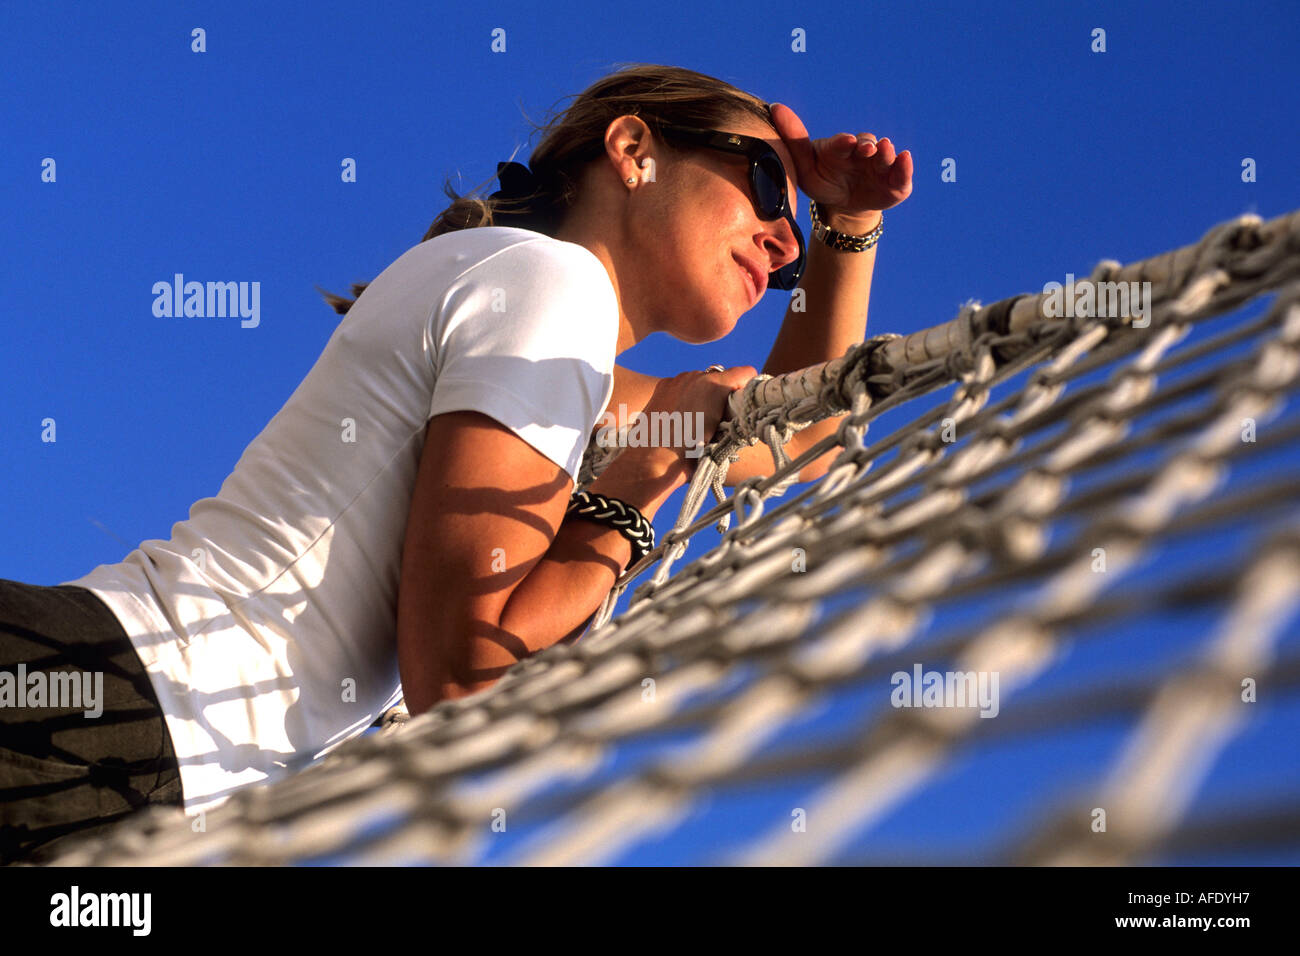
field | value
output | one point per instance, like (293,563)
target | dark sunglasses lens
(787,277)
(769,184)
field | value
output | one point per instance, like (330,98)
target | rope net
(1096,514)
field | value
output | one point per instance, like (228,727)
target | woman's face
(694,227)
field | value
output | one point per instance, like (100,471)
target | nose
(780,243)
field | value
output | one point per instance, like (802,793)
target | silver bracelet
(843,240)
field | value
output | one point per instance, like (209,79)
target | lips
(756,276)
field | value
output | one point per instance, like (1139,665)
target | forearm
(558,596)
(836,289)
(836,294)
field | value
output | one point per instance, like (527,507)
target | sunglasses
(766,179)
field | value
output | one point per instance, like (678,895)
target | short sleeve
(528,337)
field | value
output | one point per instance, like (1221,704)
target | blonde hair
(575,138)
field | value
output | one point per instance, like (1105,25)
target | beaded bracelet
(617,514)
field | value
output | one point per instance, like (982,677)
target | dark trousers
(63,774)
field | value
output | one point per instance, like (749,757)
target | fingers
(898,166)
(734,378)
(866,144)
(737,376)
(747,371)
(902,173)
(881,148)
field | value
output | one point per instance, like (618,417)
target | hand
(853,176)
(697,398)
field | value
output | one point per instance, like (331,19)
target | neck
(630,330)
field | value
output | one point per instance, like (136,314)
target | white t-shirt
(268,623)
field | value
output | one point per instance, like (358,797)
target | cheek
(690,263)
(692,253)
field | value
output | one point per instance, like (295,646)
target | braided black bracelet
(617,514)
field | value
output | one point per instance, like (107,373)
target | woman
(405,524)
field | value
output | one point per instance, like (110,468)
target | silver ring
(715,368)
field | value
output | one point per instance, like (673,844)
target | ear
(628,143)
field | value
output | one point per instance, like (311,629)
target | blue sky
(226,165)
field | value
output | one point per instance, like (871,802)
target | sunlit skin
(851,176)
(668,244)
(668,247)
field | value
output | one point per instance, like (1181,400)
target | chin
(702,336)
(726,329)
(706,326)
